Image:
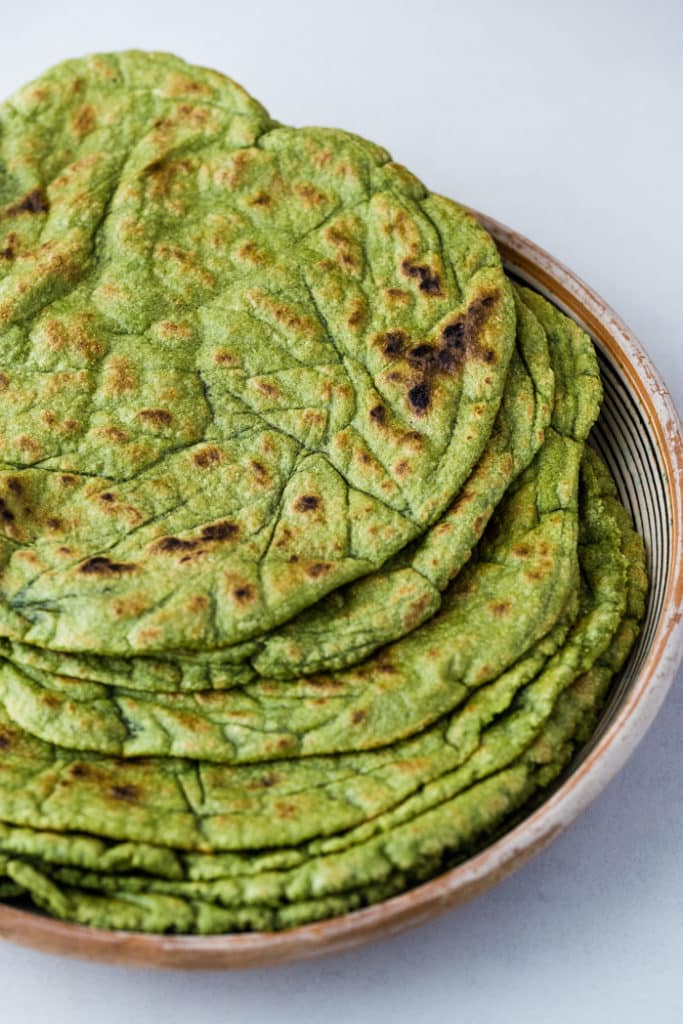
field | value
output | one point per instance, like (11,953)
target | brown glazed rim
(638,708)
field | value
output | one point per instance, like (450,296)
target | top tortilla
(243,364)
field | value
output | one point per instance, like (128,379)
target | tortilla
(383,606)
(189,805)
(244,363)
(401,853)
(309,586)
(528,560)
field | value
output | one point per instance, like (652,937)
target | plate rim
(591,775)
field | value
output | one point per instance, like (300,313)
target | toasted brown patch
(344,245)
(286,535)
(429,281)
(177,84)
(318,569)
(197,603)
(119,376)
(224,530)
(79,771)
(73,336)
(31,447)
(207,457)
(269,779)
(476,317)
(244,594)
(14,484)
(249,252)
(127,792)
(129,607)
(314,418)
(171,329)
(35,202)
(419,397)
(6,515)
(99,566)
(224,358)
(393,343)
(306,503)
(356,314)
(156,417)
(83,121)
(310,195)
(114,434)
(500,608)
(194,117)
(48,417)
(261,199)
(285,810)
(378,413)
(5,741)
(266,388)
(421,354)
(359,716)
(453,335)
(259,471)
(174,544)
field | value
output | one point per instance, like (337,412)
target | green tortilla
(309,585)
(354,621)
(380,607)
(191,805)
(243,364)
(526,560)
(404,850)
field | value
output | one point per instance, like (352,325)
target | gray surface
(564,122)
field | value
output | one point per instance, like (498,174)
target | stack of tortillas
(309,585)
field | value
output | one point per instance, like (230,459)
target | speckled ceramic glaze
(639,435)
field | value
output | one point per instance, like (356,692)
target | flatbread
(438,826)
(243,364)
(354,621)
(527,562)
(309,585)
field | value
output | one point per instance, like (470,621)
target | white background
(564,121)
